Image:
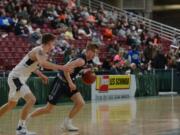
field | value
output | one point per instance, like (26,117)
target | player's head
(91,50)
(48,40)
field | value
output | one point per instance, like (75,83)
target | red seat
(9,55)
(20,50)
(7,49)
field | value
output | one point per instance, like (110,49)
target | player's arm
(42,76)
(41,58)
(76,63)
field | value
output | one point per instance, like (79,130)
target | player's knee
(11,105)
(48,109)
(32,100)
(80,104)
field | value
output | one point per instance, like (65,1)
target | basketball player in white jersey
(19,75)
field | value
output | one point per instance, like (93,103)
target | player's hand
(66,68)
(72,86)
(44,79)
(86,70)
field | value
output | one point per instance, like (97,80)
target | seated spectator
(75,32)
(133,69)
(56,23)
(156,40)
(48,12)
(119,57)
(115,69)
(54,12)
(35,37)
(96,38)
(91,19)
(6,24)
(134,56)
(96,60)
(106,65)
(175,41)
(133,37)
(37,17)
(84,13)
(113,49)
(107,32)
(63,18)
(23,13)
(9,7)
(21,29)
(102,20)
(85,31)
(71,4)
(122,32)
(68,34)
(69,54)
(29,27)
(62,43)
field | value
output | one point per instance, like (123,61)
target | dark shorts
(58,89)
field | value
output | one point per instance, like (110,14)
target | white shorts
(18,88)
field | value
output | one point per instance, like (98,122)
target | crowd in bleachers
(126,46)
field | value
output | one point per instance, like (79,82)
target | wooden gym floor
(142,116)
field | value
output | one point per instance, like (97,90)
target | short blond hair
(92,46)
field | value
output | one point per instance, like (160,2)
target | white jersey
(26,66)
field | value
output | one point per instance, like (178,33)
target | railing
(164,31)
(168,79)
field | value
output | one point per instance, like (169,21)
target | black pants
(58,89)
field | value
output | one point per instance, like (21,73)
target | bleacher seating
(13,47)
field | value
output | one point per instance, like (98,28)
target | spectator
(71,4)
(106,65)
(134,56)
(122,32)
(133,69)
(23,13)
(178,60)
(96,60)
(115,69)
(62,43)
(21,29)
(35,37)
(159,61)
(29,28)
(148,51)
(10,8)
(175,41)
(48,12)
(6,24)
(85,31)
(96,38)
(68,34)
(75,32)
(157,40)
(107,32)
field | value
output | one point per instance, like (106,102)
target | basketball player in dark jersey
(64,85)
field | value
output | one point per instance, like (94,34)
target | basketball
(89,77)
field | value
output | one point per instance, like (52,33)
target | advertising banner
(113,87)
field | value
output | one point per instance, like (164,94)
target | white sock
(68,119)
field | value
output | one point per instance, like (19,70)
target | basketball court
(142,116)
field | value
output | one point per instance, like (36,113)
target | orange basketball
(89,77)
